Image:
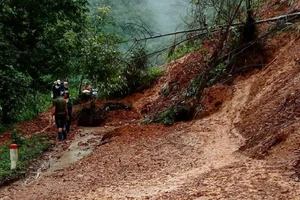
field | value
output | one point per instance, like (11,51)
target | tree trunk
(248,5)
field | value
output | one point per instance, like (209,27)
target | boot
(64,135)
(60,136)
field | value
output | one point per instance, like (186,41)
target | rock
(5,198)
(83,144)
(284,191)
(80,175)
(82,134)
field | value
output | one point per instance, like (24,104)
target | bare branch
(219,27)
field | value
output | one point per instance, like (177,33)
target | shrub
(176,113)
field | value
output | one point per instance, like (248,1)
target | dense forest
(110,44)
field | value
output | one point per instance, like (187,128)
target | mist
(168,14)
(140,19)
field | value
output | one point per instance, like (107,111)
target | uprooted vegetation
(185,85)
(231,53)
(93,115)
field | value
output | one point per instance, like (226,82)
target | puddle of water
(80,147)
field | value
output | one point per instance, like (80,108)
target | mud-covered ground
(246,148)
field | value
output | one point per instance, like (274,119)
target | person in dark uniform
(59,112)
(69,106)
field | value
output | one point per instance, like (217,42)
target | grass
(28,149)
(183,49)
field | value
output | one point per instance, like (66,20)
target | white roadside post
(13,156)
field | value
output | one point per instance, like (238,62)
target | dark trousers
(68,122)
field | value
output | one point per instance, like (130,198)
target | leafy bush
(166,90)
(176,113)
(165,117)
(136,69)
(33,105)
(216,73)
(135,77)
(193,87)
(182,50)
(151,75)
(17,139)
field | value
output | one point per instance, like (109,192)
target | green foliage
(137,19)
(235,39)
(166,117)
(136,68)
(182,50)
(12,89)
(216,73)
(39,41)
(34,104)
(99,56)
(133,77)
(151,75)
(291,2)
(146,121)
(115,106)
(297,27)
(210,13)
(193,87)
(165,90)
(30,148)
(16,139)
(287,27)
(126,84)
(175,113)
(256,4)
(213,76)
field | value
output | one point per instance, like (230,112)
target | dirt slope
(245,149)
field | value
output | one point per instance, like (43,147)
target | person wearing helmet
(60,115)
(56,88)
(86,89)
(66,86)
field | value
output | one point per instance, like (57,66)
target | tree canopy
(35,47)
